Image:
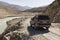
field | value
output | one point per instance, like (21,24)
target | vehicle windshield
(42,17)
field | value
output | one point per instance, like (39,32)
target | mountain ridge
(13,6)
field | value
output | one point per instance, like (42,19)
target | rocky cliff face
(53,10)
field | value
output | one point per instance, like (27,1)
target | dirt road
(52,34)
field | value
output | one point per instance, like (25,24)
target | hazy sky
(31,3)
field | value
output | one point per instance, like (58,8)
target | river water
(3,24)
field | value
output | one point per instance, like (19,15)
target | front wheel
(33,26)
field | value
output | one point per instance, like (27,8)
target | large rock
(17,36)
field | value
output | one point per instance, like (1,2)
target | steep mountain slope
(53,10)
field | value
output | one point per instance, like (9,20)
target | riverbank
(3,24)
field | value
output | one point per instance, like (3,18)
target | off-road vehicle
(41,21)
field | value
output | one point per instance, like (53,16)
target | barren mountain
(10,9)
(36,9)
(14,7)
(53,10)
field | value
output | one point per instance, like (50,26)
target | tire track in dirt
(52,36)
(39,37)
(55,30)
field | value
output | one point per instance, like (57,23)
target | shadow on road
(37,31)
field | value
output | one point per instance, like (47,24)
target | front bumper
(43,25)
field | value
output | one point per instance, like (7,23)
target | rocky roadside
(12,31)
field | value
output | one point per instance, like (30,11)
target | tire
(34,27)
(31,26)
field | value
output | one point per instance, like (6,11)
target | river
(3,24)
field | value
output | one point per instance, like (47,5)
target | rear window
(43,17)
